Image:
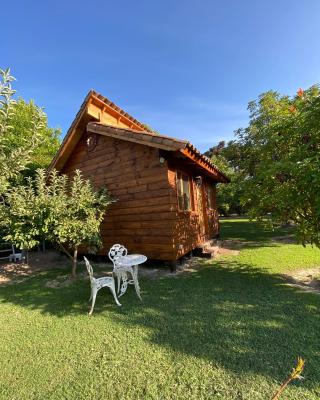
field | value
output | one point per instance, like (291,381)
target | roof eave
(68,135)
(160,141)
(140,137)
(198,158)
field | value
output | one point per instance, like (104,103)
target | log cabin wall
(187,232)
(142,218)
(145,217)
(212,213)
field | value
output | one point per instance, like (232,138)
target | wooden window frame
(209,195)
(191,201)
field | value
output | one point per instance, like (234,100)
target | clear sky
(187,68)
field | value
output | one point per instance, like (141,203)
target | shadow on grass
(237,317)
(245,230)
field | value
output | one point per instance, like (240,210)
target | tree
(149,128)
(77,214)
(67,212)
(14,159)
(282,160)
(227,158)
(21,120)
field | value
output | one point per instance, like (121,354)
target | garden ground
(231,329)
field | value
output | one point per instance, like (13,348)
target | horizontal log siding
(142,218)
(186,236)
(213,216)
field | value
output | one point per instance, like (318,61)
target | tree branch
(64,250)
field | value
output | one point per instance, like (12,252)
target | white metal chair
(124,264)
(98,283)
(14,257)
(8,251)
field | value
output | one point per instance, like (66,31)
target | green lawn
(231,330)
(261,251)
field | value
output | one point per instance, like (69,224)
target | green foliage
(226,158)
(152,130)
(14,159)
(282,160)
(274,163)
(67,212)
(78,211)
(23,114)
(26,142)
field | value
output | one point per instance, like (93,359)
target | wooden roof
(111,107)
(114,122)
(163,142)
(142,137)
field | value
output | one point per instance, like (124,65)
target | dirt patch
(62,281)
(13,273)
(18,272)
(99,270)
(307,279)
(237,244)
(187,264)
(222,250)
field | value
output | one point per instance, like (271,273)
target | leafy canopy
(66,211)
(226,158)
(23,113)
(281,149)
(25,138)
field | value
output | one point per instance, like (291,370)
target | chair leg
(124,284)
(93,295)
(118,282)
(113,291)
(134,274)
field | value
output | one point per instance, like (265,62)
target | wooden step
(208,248)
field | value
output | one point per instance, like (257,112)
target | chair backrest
(117,251)
(6,250)
(89,268)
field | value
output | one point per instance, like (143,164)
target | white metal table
(129,263)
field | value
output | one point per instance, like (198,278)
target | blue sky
(187,68)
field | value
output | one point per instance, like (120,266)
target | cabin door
(201,212)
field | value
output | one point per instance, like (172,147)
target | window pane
(186,192)
(179,186)
(183,189)
(209,197)
(186,185)
(180,202)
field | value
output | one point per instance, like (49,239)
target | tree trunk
(27,257)
(74,264)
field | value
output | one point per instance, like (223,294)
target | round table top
(131,259)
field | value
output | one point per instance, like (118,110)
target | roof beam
(135,137)
(198,160)
(110,110)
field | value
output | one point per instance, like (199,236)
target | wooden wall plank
(146,215)
(142,216)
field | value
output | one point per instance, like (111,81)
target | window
(210,193)
(183,189)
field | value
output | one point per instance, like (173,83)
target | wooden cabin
(165,189)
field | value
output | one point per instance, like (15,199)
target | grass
(245,230)
(260,248)
(231,330)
